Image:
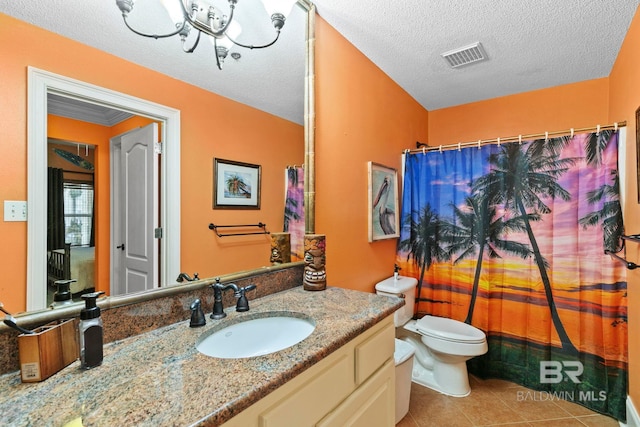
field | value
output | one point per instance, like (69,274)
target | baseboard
(633,419)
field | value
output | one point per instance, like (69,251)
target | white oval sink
(255,337)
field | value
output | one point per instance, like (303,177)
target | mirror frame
(309,120)
(36,234)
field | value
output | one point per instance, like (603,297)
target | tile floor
(496,403)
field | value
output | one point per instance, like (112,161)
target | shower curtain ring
(498,142)
(572,132)
(459,145)
(424,150)
(479,142)
(598,130)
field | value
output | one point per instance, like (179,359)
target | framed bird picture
(236,185)
(384,221)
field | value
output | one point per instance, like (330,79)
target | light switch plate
(15,210)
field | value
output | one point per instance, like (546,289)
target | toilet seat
(449,330)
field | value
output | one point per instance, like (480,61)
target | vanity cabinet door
(373,353)
(372,404)
(316,398)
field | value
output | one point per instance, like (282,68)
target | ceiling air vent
(465,55)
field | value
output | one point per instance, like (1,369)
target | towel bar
(259,225)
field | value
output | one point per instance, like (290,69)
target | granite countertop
(160,379)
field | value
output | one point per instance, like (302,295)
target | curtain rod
(422,147)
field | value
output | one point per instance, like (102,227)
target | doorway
(40,84)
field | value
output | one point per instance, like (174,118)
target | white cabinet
(353,386)
(372,404)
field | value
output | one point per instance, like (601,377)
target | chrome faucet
(239,293)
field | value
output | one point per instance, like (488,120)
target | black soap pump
(63,293)
(90,330)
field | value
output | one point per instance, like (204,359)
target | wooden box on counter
(49,349)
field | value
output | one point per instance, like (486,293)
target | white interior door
(136,250)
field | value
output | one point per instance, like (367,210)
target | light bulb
(279,6)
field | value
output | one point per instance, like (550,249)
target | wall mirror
(45,88)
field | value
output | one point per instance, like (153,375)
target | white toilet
(442,345)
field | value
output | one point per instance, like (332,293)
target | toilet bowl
(442,346)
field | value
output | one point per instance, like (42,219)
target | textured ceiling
(530,45)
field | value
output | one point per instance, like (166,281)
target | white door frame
(40,83)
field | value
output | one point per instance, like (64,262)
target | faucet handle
(197,315)
(243,302)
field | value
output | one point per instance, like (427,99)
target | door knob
(120,247)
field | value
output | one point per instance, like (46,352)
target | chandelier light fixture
(208,19)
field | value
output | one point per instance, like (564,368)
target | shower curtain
(294,211)
(511,238)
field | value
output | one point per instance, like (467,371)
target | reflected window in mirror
(78,213)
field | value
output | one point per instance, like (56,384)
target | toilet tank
(403,287)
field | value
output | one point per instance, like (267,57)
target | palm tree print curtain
(511,238)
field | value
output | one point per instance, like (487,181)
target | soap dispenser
(90,330)
(63,293)
(396,270)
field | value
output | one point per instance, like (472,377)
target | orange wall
(211,126)
(362,115)
(625,99)
(576,105)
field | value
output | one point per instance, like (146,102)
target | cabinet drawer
(374,352)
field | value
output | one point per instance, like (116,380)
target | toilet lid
(449,329)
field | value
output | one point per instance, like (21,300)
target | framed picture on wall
(384,221)
(236,185)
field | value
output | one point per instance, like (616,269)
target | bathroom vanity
(342,373)
(352,386)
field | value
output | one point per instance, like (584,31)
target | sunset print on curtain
(511,238)
(294,211)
